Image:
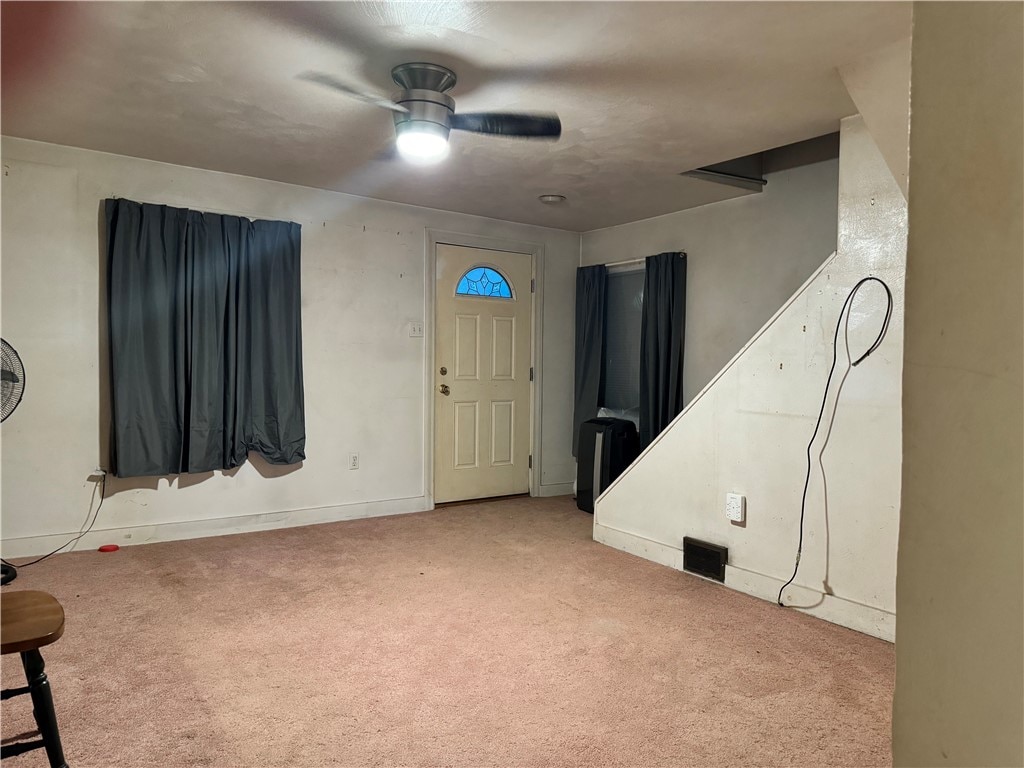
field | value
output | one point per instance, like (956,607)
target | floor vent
(705,559)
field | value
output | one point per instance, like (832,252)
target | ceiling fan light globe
(422,147)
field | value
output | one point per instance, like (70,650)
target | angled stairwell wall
(747,432)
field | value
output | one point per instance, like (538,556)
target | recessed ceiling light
(552,199)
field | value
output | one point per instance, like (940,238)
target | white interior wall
(745,257)
(747,433)
(363,283)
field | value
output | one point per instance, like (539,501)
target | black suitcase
(607,446)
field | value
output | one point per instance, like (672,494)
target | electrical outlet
(416,329)
(353,461)
(735,507)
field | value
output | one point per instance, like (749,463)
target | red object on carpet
(109,548)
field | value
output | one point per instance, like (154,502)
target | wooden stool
(28,621)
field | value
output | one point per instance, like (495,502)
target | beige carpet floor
(478,635)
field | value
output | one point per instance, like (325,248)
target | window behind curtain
(205,340)
(621,363)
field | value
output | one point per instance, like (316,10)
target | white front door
(483,330)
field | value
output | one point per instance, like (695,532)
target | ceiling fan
(424,113)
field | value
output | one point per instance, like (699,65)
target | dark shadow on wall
(116,485)
(268,470)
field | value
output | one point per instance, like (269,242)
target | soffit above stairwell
(879,84)
(644,90)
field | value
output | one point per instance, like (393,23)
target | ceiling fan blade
(509,124)
(329,81)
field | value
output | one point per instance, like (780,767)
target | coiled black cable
(844,315)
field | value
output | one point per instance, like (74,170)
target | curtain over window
(591,287)
(662,328)
(205,340)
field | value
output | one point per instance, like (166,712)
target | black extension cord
(844,314)
(103,495)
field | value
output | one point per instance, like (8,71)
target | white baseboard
(639,546)
(31,546)
(837,610)
(843,611)
(556,489)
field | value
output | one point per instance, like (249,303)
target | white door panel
(482,345)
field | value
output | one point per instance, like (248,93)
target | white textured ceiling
(644,90)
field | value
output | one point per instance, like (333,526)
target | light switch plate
(735,507)
(416,329)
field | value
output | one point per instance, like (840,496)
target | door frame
(435,237)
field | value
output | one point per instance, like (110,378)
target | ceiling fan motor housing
(429,112)
(423,94)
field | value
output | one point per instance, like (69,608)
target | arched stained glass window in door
(484,281)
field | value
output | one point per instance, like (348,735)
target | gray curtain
(205,340)
(662,329)
(591,287)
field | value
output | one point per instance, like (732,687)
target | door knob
(445,390)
